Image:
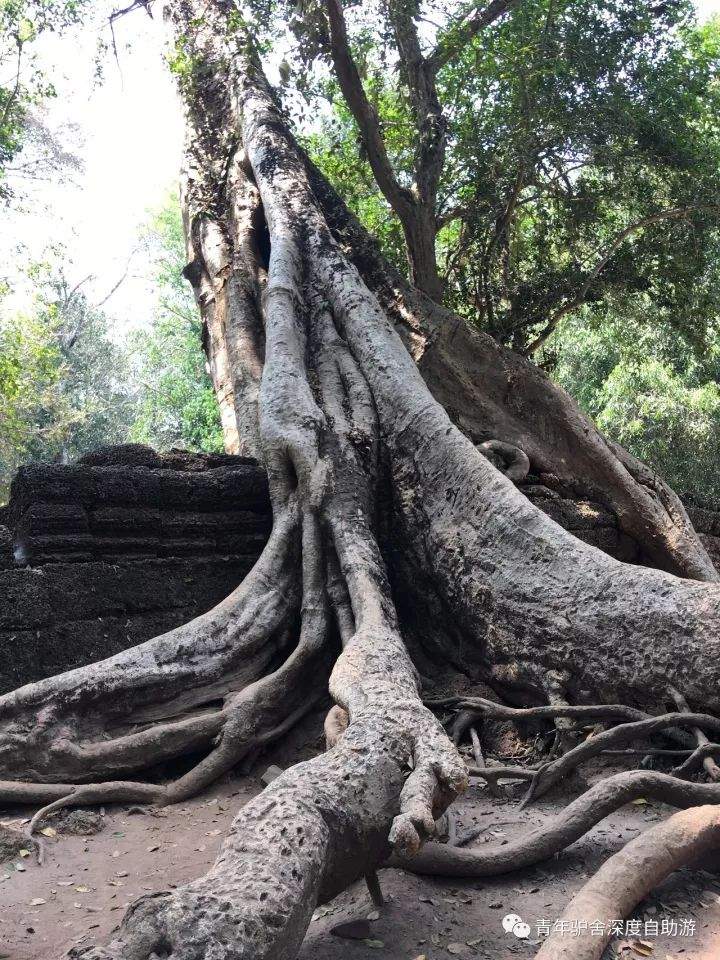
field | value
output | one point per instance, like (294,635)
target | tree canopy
(580,158)
(25,85)
(64,381)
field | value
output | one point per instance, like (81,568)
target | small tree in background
(64,381)
(177,405)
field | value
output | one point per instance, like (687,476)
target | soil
(81,891)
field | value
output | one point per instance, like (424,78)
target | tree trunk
(489,392)
(372,484)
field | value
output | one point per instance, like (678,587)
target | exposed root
(568,826)
(336,723)
(493,774)
(84,725)
(554,682)
(704,751)
(374,889)
(627,877)
(337,385)
(13,841)
(515,462)
(491,710)
(699,758)
(550,773)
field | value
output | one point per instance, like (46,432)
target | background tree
(575,155)
(176,400)
(393,537)
(25,88)
(64,382)
(647,389)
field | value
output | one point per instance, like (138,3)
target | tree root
(13,841)
(338,386)
(704,750)
(151,703)
(628,876)
(550,773)
(493,774)
(697,759)
(568,826)
(479,707)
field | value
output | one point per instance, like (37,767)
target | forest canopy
(575,214)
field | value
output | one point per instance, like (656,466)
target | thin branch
(675,213)
(399,198)
(118,283)
(468,28)
(428,114)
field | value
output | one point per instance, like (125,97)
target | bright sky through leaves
(129,137)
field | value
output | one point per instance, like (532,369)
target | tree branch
(430,122)
(399,198)
(675,213)
(468,28)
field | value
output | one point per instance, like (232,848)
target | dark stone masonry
(118,547)
(127,543)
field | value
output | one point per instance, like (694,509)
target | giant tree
(392,533)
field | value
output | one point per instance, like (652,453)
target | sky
(129,139)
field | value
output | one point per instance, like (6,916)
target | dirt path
(81,892)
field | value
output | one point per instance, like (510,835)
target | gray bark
(344,417)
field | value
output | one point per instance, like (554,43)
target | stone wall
(110,551)
(126,544)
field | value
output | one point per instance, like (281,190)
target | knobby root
(550,773)
(627,877)
(569,825)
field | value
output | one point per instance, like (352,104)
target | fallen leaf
(49,832)
(24,853)
(37,902)
(642,948)
(375,915)
(639,802)
(65,883)
(375,944)
(83,889)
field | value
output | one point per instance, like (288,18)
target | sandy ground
(83,888)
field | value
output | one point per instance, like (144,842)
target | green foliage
(67,386)
(571,121)
(580,192)
(63,380)
(24,85)
(649,392)
(177,405)
(335,150)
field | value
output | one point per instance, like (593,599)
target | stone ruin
(127,543)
